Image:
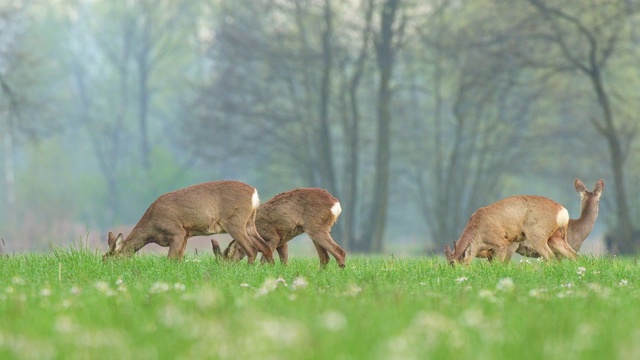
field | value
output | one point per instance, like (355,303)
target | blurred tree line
(412,113)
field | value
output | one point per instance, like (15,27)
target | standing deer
(289,214)
(203,209)
(578,229)
(493,230)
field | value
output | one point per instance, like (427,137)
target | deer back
(294,212)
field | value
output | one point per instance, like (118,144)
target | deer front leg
(177,244)
(283,252)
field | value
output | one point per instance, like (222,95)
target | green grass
(71,305)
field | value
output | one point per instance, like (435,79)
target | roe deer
(578,229)
(203,209)
(289,214)
(493,230)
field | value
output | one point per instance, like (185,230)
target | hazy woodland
(412,113)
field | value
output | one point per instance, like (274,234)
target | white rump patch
(336,209)
(255,200)
(563,217)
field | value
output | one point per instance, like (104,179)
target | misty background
(412,113)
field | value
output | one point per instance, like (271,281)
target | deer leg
(283,252)
(324,240)
(501,253)
(177,245)
(258,241)
(322,254)
(511,250)
(561,247)
(239,234)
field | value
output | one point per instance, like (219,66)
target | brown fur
(578,229)
(203,209)
(291,213)
(494,230)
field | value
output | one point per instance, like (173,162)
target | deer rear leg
(243,240)
(262,245)
(324,240)
(560,246)
(322,254)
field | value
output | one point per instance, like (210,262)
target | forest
(413,113)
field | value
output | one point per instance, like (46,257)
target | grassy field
(71,305)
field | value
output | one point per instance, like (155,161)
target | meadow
(68,304)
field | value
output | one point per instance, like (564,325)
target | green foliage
(70,304)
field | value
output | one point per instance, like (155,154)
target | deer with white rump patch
(578,229)
(204,209)
(307,210)
(493,231)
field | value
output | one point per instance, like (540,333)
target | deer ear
(599,187)
(580,188)
(229,251)
(216,248)
(118,243)
(111,239)
(447,252)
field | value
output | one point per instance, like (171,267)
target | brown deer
(493,230)
(307,210)
(203,209)
(578,229)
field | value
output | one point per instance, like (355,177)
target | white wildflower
(119,281)
(75,290)
(45,292)
(268,286)
(505,284)
(537,293)
(487,294)
(623,282)
(179,287)
(299,283)
(159,287)
(353,290)
(461,279)
(104,288)
(581,270)
(245,285)
(333,320)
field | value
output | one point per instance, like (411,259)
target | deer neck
(461,246)
(134,242)
(580,228)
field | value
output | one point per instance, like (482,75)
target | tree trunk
(327,173)
(385,56)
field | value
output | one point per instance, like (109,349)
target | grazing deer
(493,230)
(289,214)
(578,229)
(203,209)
